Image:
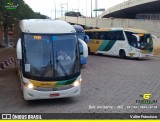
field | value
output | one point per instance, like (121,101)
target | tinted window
(144,43)
(110,35)
(50,56)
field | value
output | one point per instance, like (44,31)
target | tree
(23,11)
(10,17)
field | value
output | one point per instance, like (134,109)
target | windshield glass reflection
(51,56)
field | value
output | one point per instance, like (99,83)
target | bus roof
(136,30)
(78,28)
(124,29)
(45,26)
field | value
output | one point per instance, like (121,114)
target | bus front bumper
(141,55)
(31,94)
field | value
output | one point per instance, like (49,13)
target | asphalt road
(110,85)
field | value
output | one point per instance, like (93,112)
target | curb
(1,50)
(6,63)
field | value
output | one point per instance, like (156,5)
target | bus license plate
(54,95)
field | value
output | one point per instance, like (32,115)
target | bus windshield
(52,57)
(145,42)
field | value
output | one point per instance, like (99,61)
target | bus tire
(81,65)
(122,54)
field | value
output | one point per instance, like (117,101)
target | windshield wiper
(50,64)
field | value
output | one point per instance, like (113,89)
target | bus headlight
(30,86)
(77,82)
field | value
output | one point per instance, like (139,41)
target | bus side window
(119,35)
(131,39)
(95,35)
(102,35)
(114,35)
(90,35)
(110,35)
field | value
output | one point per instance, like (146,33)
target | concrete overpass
(149,25)
(131,8)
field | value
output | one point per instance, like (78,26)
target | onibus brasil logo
(11,5)
(146,99)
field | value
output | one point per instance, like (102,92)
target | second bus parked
(81,35)
(123,42)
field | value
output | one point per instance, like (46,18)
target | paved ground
(108,83)
(7,53)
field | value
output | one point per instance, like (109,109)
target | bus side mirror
(87,39)
(19,49)
(137,37)
(85,48)
(153,36)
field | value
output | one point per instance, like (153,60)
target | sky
(47,7)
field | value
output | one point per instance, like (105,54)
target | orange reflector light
(140,34)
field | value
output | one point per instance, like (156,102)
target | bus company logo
(146,99)
(146,96)
(11,5)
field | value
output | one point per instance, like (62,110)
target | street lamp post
(86,8)
(62,4)
(78,5)
(91,8)
(62,11)
(55,9)
(96,8)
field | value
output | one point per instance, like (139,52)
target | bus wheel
(122,54)
(81,66)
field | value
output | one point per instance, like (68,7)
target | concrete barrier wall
(156,43)
(150,25)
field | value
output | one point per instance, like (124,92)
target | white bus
(81,34)
(49,59)
(123,42)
